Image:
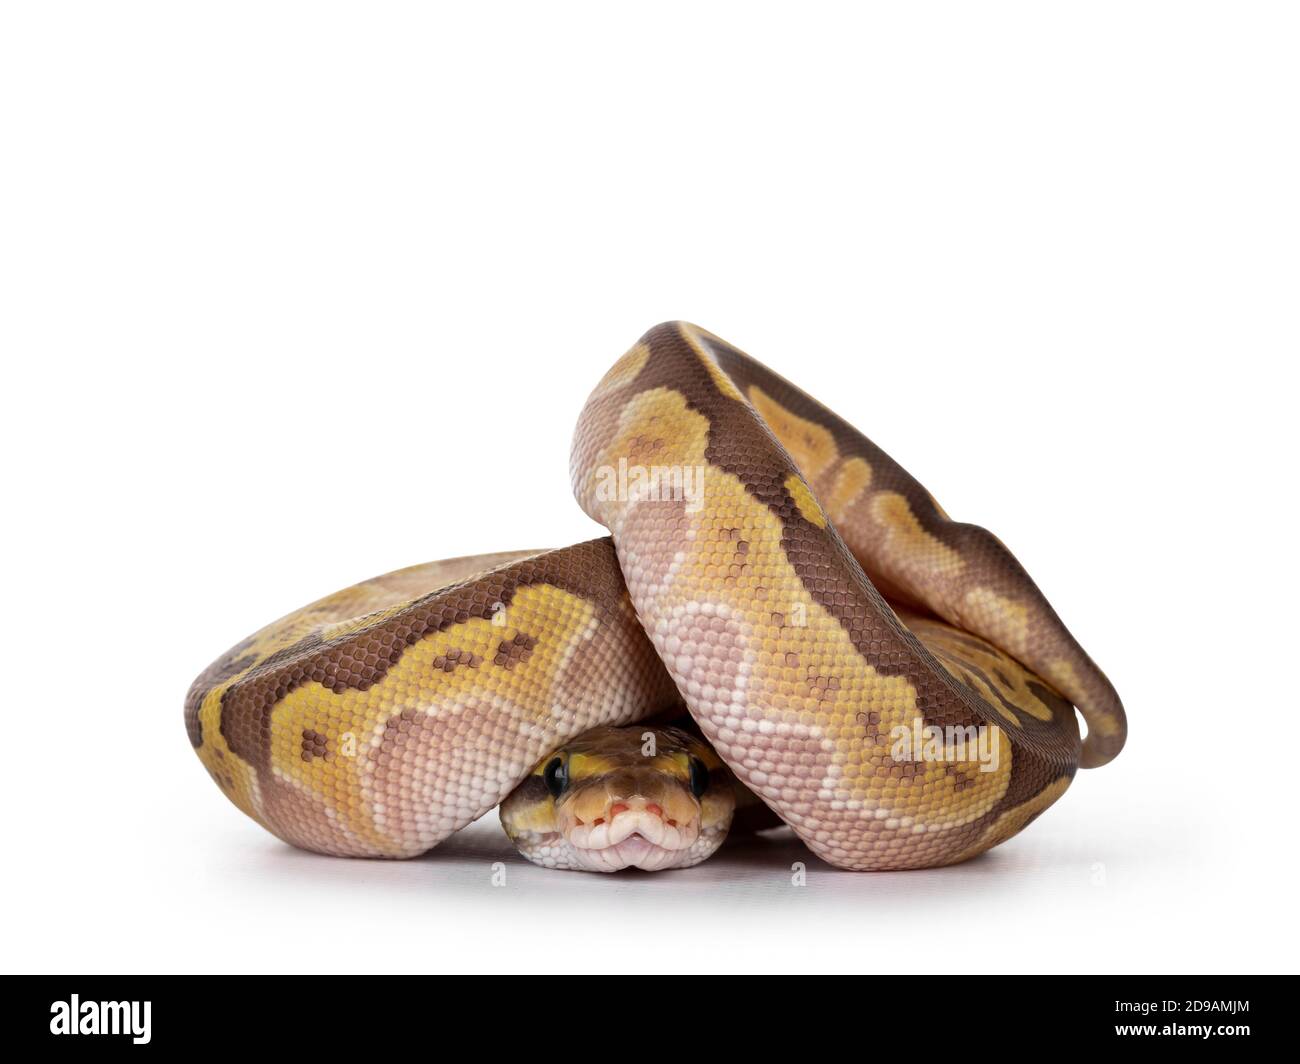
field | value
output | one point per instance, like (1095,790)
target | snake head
(615,798)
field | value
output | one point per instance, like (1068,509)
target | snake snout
(618,808)
(639,816)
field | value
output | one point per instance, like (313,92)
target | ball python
(832,633)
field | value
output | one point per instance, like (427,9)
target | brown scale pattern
(457,658)
(988,564)
(314,744)
(511,652)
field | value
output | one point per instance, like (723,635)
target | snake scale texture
(768,567)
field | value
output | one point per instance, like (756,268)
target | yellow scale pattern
(785,704)
(391,767)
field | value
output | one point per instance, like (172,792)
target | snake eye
(699,777)
(556,776)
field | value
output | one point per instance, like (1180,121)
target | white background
(295,294)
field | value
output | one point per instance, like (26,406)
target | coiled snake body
(768,567)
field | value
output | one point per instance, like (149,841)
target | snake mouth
(635,851)
(633,833)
